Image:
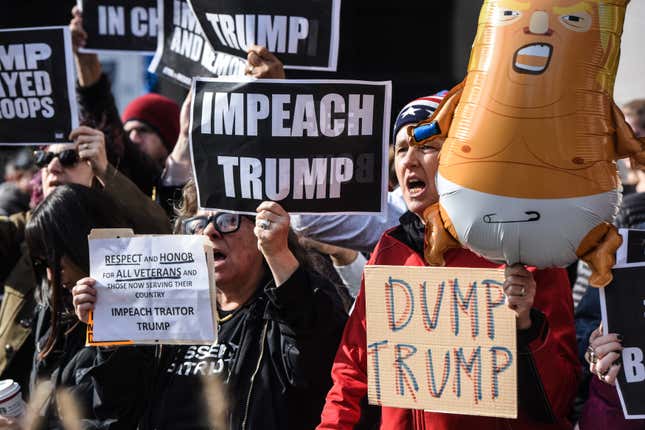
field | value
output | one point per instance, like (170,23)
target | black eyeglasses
(223,222)
(67,158)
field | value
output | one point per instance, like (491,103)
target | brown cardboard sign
(440,339)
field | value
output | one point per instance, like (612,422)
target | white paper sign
(152,289)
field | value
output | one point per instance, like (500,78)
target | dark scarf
(411,232)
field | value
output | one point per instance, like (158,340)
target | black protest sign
(37,98)
(182,50)
(120,25)
(313,146)
(304,34)
(623,310)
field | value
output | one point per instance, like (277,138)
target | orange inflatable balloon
(527,172)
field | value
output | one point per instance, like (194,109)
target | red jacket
(552,359)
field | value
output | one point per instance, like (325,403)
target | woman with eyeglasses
(56,236)
(279,326)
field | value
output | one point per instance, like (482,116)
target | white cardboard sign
(152,289)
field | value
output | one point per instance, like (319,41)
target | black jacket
(75,367)
(280,374)
(98,110)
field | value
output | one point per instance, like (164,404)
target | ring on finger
(251,68)
(264,224)
(603,375)
(523,292)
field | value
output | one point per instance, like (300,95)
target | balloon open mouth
(532,59)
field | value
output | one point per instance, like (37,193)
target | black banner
(623,304)
(37,95)
(313,146)
(120,25)
(303,34)
(182,50)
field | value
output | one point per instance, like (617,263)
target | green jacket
(18,305)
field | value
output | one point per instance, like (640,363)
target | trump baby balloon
(527,171)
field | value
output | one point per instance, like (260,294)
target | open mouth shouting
(218,257)
(415,187)
(532,59)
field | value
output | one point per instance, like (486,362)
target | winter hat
(417,111)
(157,111)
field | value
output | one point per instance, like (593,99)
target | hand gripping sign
(527,172)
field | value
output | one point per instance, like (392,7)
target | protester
(599,403)
(602,352)
(57,238)
(362,233)
(83,162)
(547,365)
(279,325)
(15,192)
(603,409)
(635,116)
(151,122)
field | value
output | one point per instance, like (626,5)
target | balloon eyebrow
(514,4)
(583,6)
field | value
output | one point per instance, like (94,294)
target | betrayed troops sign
(183,51)
(314,146)
(304,34)
(37,99)
(120,25)
(623,312)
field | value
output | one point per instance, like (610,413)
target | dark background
(36,13)
(406,42)
(421,45)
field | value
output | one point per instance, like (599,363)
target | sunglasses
(223,222)
(67,158)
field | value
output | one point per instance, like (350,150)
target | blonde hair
(187,206)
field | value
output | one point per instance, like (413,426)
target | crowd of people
(292,349)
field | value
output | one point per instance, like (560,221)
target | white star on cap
(409,111)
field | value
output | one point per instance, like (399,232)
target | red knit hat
(157,111)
